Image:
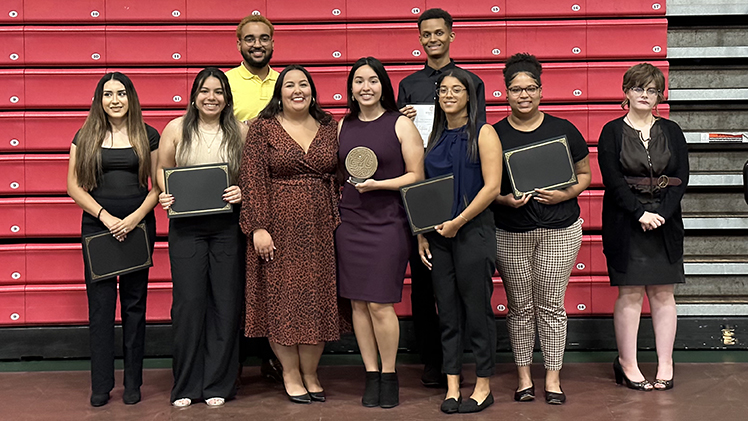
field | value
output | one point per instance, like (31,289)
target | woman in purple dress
(373,240)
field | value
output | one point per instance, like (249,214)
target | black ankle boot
(389,391)
(99,399)
(371,393)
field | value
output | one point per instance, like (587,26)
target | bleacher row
(51,57)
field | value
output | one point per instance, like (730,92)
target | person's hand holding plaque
(361,163)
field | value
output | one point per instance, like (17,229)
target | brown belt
(661,182)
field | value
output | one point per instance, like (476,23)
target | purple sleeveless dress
(373,240)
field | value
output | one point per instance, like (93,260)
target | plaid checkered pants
(535,267)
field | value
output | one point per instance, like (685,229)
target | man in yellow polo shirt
(252,85)
(253,81)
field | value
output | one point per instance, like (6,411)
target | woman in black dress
(111,160)
(644,163)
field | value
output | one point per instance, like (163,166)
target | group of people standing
(325,253)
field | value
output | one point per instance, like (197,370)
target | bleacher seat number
(496,51)
(15,275)
(15,228)
(576,7)
(577,92)
(580,266)
(581,307)
(337,54)
(256,12)
(495,9)
(14,316)
(14,142)
(176,13)
(14,56)
(95,56)
(336,12)
(337,97)
(176,98)
(656,6)
(497,94)
(501,307)
(14,99)
(576,50)
(95,14)
(656,48)
(416,53)
(415,10)
(14,185)
(13,14)
(176,56)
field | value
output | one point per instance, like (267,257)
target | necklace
(208,145)
(647,126)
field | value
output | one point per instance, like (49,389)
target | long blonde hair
(91,136)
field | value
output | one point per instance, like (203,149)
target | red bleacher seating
(11,12)
(307,11)
(51,11)
(155,45)
(11,46)
(12,264)
(66,45)
(12,305)
(230,11)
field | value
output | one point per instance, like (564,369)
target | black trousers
(423,302)
(207,276)
(462,273)
(102,302)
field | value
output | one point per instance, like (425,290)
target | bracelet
(466,220)
(98,215)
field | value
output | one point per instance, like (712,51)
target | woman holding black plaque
(373,240)
(644,163)
(460,253)
(289,165)
(205,251)
(539,234)
(111,160)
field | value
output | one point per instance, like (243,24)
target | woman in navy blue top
(461,251)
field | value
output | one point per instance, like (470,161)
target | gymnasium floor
(710,385)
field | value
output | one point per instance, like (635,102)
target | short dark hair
(436,14)
(388,93)
(641,75)
(522,63)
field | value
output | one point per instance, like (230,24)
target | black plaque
(541,165)
(428,203)
(107,257)
(197,190)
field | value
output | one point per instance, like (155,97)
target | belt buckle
(663,181)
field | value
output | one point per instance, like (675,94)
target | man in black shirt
(435,27)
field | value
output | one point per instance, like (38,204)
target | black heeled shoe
(473,406)
(644,386)
(131,396)
(451,405)
(389,390)
(371,390)
(667,384)
(305,398)
(554,398)
(525,395)
(318,396)
(99,399)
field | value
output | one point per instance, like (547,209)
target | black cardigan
(621,208)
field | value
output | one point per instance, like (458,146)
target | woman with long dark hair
(460,253)
(644,163)
(539,235)
(289,165)
(373,240)
(205,251)
(111,160)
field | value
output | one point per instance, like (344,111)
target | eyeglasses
(517,91)
(456,90)
(264,39)
(639,90)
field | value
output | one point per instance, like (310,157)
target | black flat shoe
(318,396)
(433,377)
(525,395)
(371,390)
(131,396)
(664,384)
(471,405)
(644,386)
(99,399)
(554,398)
(305,398)
(451,405)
